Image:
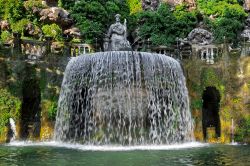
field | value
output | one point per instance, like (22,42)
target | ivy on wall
(10,107)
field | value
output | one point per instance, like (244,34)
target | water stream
(127,98)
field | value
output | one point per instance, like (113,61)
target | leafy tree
(52,30)
(135,6)
(13,10)
(227,18)
(186,20)
(9,108)
(67,4)
(243,131)
(19,25)
(5,36)
(164,26)
(94,17)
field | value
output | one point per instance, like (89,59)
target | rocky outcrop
(4,25)
(247,5)
(32,30)
(246,32)
(200,36)
(56,15)
(73,32)
(150,4)
(190,3)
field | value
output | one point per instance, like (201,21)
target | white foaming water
(110,147)
(13,128)
(125,98)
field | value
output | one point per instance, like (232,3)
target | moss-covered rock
(232,81)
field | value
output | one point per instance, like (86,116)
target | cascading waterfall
(123,97)
(13,129)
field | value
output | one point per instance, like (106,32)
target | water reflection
(215,155)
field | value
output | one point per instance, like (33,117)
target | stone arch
(31,100)
(210,110)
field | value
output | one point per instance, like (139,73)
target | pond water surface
(61,154)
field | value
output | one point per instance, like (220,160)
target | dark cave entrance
(210,111)
(31,111)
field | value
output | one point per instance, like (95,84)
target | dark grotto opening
(210,111)
(31,110)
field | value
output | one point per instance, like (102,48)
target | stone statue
(200,36)
(117,37)
(246,32)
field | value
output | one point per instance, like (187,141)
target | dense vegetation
(94,16)
(225,18)
(9,108)
(163,26)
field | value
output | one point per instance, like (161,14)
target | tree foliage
(12,10)
(5,36)
(52,30)
(135,6)
(93,17)
(243,131)
(9,108)
(19,25)
(163,26)
(226,18)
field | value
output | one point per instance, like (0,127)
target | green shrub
(53,30)
(135,6)
(243,131)
(13,10)
(9,108)
(33,3)
(52,111)
(95,16)
(5,36)
(228,18)
(19,26)
(163,26)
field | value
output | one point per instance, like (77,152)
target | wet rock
(150,4)
(56,15)
(32,30)
(200,36)
(73,32)
(246,33)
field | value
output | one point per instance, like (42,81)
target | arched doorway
(30,111)
(210,111)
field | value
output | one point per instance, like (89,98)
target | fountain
(123,97)
(11,136)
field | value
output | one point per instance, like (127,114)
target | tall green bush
(163,26)
(9,108)
(13,10)
(226,18)
(95,16)
(135,6)
(5,36)
(52,30)
(243,131)
(19,25)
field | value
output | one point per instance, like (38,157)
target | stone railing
(77,49)
(39,49)
(207,53)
